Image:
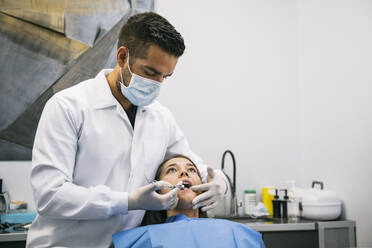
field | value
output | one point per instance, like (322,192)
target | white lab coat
(87,157)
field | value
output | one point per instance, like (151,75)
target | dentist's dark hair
(145,29)
(158,217)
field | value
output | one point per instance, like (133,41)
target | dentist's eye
(193,170)
(150,74)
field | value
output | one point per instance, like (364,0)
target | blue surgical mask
(141,91)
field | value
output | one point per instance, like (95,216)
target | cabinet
(275,233)
(13,240)
(291,239)
(334,234)
(306,234)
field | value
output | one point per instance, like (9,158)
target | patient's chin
(184,204)
(185,200)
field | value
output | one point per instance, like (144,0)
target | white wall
(286,85)
(235,87)
(16,181)
(335,76)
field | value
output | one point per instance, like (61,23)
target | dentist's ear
(122,56)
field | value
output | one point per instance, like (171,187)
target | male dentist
(99,143)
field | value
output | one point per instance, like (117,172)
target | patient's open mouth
(186,184)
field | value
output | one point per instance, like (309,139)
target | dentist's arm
(53,161)
(55,193)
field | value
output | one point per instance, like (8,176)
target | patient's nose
(184,173)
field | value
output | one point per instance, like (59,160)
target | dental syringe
(178,185)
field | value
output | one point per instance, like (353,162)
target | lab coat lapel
(137,151)
(122,114)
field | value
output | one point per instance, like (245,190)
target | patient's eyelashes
(191,169)
(171,170)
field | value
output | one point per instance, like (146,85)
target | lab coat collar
(103,97)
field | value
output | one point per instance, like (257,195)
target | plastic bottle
(240,207)
(284,205)
(276,205)
(293,201)
(267,198)
(250,201)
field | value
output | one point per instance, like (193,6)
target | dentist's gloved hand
(146,198)
(212,191)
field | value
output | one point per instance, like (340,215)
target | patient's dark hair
(145,29)
(157,217)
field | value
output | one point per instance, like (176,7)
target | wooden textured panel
(11,151)
(40,54)
(32,58)
(22,130)
(46,13)
(82,20)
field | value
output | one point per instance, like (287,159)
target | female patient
(185,226)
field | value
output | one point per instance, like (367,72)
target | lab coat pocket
(154,150)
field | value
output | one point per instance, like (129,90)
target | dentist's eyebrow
(155,71)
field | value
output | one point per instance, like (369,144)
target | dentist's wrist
(222,181)
(132,201)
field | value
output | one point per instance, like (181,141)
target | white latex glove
(212,191)
(145,198)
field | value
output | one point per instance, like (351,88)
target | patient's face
(181,169)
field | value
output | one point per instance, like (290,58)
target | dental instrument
(179,185)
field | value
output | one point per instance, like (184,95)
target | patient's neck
(191,213)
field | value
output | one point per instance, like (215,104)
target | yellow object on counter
(267,198)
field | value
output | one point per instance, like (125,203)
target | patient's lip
(186,181)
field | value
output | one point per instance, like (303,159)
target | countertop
(271,225)
(11,235)
(260,225)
